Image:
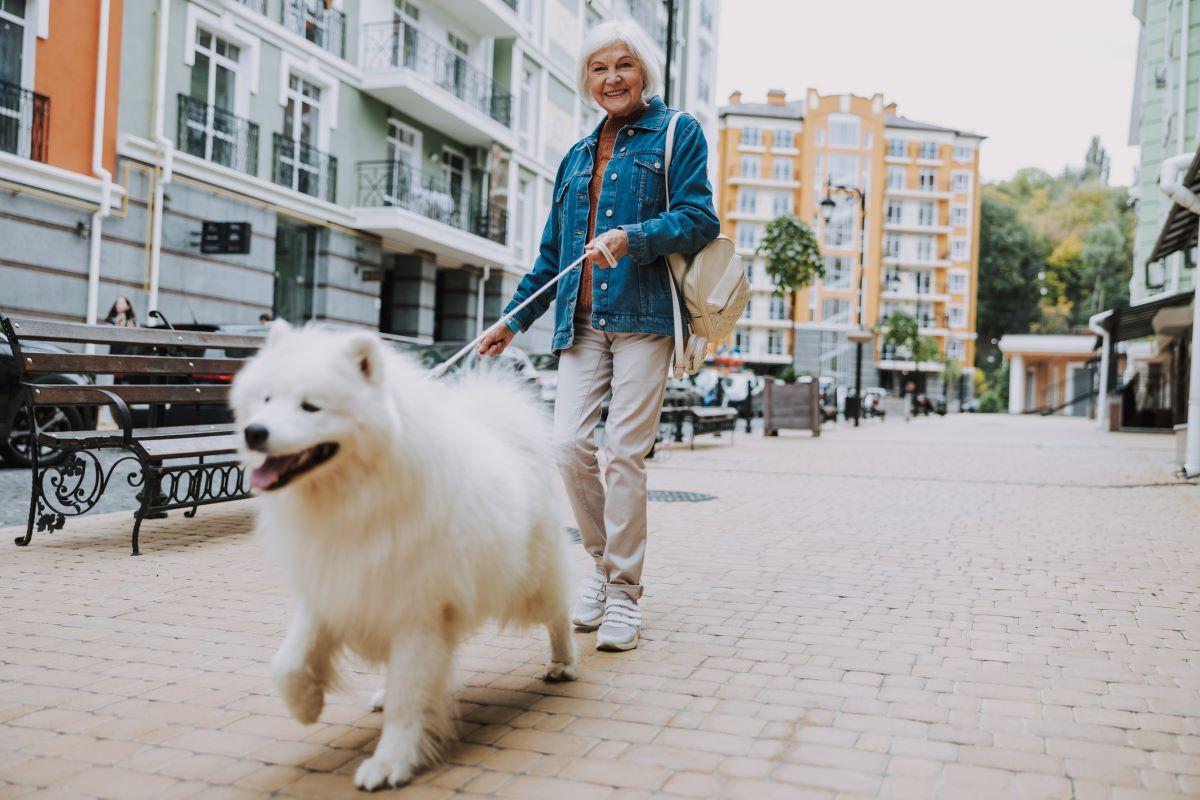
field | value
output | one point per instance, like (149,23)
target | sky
(1039,78)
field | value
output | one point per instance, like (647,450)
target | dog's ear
(277,331)
(365,350)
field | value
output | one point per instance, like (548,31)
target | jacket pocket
(654,288)
(651,185)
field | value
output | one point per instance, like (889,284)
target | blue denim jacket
(634,296)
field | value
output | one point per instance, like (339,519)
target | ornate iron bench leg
(33,497)
(198,488)
(147,497)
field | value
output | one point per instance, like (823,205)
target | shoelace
(623,612)
(593,587)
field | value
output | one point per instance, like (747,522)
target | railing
(24,122)
(394,45)
(302,167)
(215,135)
(394,183)
(644,12)
(512,4)
(324,27)
(255,5)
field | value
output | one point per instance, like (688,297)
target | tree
(1096,163)
(793,258)
(1010,257)
(904,333)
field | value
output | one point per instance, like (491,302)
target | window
(955,350)
(843,169)
(925,248)
(961,181)
(835,310)
(923,282)
(959,249)
(964,152)
(838,229)
(958,315)
(529,105)
(300,162)
(897,148)
(891,246)
(959,215)
(775,343)
(212,129)
(838,271)
(783,138)
(782,204)
(524,232)
(707,18)
(783,169)
(741,339)
(957,282)
(928,180)
(926,214)
(748,201)
(843,131)
(893,212)
(778,308)
(752,137)
(749,312)
(928,150)
(819,135)
(750,166)
(747,236)
(896,177)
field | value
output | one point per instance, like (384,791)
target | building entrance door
(1082,384)
(295,270)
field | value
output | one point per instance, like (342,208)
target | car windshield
(544,361)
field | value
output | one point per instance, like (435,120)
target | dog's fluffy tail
(521,421)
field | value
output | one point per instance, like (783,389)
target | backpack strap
(678,364)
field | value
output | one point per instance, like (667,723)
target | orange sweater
(604,151)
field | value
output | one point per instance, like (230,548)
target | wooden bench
(177,466)
(715,420)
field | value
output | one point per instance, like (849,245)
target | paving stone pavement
(968,607)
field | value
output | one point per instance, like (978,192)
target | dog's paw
(558,672)
(377,700)
(378,772)
(303,697)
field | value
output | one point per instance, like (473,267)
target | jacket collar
(651,120)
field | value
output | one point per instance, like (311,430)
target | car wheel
(14,447)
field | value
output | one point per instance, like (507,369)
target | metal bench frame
(74,485)
(714,423)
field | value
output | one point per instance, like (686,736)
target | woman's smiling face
(615,80)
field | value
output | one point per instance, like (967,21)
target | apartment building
(380,163)
(917,184)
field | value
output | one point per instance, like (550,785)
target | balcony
(324,27)
(24,122)
(409,69)
(496,18)
(303,168)
(255,5)
(399,204)
(645,13)
(917,226)
(216,135)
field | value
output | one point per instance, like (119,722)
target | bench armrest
(120,409)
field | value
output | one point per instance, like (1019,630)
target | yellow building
(920,189)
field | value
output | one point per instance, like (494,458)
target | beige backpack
(714,289)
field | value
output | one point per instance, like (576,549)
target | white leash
(441,368)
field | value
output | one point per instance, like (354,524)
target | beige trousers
(610,511)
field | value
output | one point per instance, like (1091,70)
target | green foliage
(904,332)
(788,374)
(990,404)
(793,258)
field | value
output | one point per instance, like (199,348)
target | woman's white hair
(629,33)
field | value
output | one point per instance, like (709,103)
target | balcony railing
(645,13)
(324,27)
(306,169)
(394,183)
(215,135)
(24,122)
(512,4)
(395,45)
(255,5)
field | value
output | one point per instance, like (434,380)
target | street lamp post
(859,336)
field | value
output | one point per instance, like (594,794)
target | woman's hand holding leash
(494,342)
(607,249)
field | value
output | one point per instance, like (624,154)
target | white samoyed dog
(406,512)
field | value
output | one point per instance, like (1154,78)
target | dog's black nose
(256,435)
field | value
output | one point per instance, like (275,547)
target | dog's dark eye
(309,407)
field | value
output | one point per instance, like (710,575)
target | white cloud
(1039,78)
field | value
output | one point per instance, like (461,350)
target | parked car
(546,365)
(969,406)
(14,417)
(513,359)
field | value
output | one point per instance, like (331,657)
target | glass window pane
(12,45)
(199,87)
(223,89)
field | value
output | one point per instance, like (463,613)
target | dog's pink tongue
(267,474)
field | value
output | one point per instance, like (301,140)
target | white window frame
(839,273)
(849,120)
(927,213)
(958,281)
(926,248)
(960,248)
(782,204)
(747,201)
(928,146)
(964,153)
(897,148)
(782,165)
(309,70)
(893,212)
(957,313)
(927,173)
(841,179)
(959,210)
(529,105)
(747,231)
(34,26)
(961,176)
(250,58)
(892,246)
(784,132)
(901,175)
(396,143)
(752,137)
(751,160)
(775,343)
(777,309)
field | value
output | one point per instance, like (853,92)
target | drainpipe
(166,149)
(481,292)
(1094,325)
(93,295)
(1170,182)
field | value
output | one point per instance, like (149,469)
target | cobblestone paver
(971,607)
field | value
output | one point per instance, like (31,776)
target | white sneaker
(621,626)
(589,608)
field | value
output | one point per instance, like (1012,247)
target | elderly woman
(613,322)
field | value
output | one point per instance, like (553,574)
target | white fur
(438,512)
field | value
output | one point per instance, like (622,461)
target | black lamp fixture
(827,207)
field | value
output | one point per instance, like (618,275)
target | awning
(1179,231)
(1136,322)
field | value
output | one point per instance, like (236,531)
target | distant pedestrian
(264,319)
(910,401)
(613,322)
(121,314)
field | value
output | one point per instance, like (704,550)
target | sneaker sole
(614,647)
(586,625)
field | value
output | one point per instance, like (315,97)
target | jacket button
(608,213)
(604,286)
(613,176)
(632,131)
(602,323)
(657,165)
